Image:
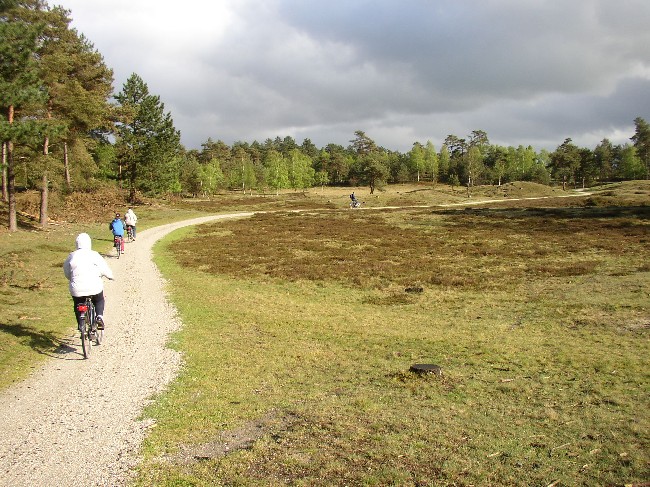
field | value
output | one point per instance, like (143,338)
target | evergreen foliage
(20,88)
(148,145)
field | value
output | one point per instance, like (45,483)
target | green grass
(300,330)
(35,308)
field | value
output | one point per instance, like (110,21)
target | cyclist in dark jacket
(117,227)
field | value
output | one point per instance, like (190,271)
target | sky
(527,72)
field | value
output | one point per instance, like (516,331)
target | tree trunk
(66,167)
(44,183)
(11,178)
(44,200)
(132,187)
(11,187)
(5,194)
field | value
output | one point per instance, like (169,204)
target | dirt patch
(242,438)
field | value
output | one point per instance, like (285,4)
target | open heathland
(300,328)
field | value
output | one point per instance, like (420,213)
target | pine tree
(147,142)
(641,140)
(20,86)
(79,83)
(371,164)
(565,162)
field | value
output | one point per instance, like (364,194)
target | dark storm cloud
(529,72)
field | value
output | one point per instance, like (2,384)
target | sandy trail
(50,422)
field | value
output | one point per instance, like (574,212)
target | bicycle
(117,241)
(88,326)
(129,233)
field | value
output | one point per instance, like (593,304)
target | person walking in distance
(130,219)
(84,268)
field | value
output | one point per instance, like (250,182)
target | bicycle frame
(87,326)
(119,244)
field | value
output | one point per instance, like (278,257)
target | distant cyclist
(130,219)
(84,269)
(354,202)
(117,227)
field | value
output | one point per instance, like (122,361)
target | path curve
(45,432)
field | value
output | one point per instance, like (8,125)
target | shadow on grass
(23,221)
(45,343)
(109,253)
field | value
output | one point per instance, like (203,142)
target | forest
(64,129)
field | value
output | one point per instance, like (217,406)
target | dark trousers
(98,301)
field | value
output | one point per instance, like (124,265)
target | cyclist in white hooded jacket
(85,268)
(130,219)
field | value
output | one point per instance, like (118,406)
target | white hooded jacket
(130,218)
(84,269)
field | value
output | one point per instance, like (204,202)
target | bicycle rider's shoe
(100,323)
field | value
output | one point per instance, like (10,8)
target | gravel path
(71,406)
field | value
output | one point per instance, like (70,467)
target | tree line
(63,128)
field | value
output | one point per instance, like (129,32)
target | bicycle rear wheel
(85,338)
(118,247)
